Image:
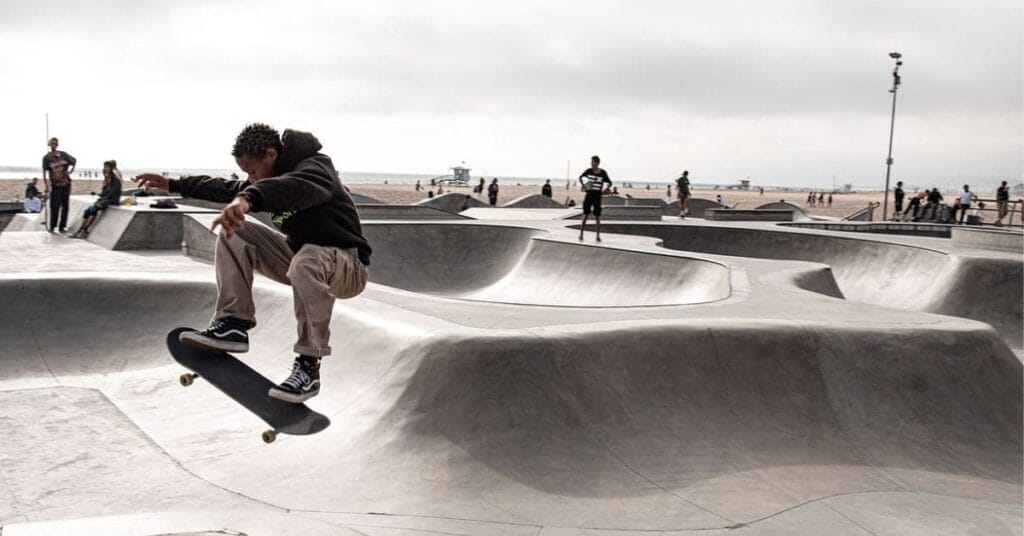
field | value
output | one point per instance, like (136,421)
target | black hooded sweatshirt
(305,196)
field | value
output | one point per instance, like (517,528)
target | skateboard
(245,386)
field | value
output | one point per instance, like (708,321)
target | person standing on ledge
(60,166)
(898,194)
(322,253)
(683,187)
(593,182)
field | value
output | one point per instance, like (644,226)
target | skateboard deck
(245,386)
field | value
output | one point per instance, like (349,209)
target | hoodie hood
(296,147)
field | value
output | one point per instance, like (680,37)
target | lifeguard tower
(459,176)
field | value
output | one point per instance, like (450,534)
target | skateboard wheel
(269,436)
(187,378)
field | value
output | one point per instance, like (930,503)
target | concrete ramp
(893,275)
(573,275)
(452,202)
(799,212)
(665,426)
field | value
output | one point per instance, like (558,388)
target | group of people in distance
(929,205)
(57,169)
(816,199)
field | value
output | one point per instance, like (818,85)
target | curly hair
(255,139)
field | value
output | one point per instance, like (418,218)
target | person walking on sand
(110,194)
(595,182)
(492,192)
(683,187)
(322,253)
(60,165)
(1002,202)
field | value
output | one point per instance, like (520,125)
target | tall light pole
(892,125)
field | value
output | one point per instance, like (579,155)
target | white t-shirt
(966,198)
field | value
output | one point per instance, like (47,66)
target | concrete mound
(452,202)
(697,207)
(533,201)
(799,212)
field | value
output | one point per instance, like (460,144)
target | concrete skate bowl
(519,266)
(670,426)
(879,273)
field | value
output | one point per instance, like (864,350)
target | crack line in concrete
(862,527)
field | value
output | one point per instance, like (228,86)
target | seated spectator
(109,195)
(32,188)
(913,210)
(931,208)
(33,203)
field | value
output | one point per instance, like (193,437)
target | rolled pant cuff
(311,351)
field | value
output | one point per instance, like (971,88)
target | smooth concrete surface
(889,273)
(627,212)
(739,214)
(1011,240)
(405,212)
(801,402)
(935,230)
(697,207)
(533,201)
(799,212)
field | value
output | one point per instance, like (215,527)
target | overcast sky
(785,92)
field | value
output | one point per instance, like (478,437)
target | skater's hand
(232,218)
(152,179)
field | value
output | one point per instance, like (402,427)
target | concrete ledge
(405,212)
(995,239)
(134,227)
(652,213)
(726,214)
(25,222)
(912,229)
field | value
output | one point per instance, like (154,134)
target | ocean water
(350,177)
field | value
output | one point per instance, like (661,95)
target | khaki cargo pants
(318,275)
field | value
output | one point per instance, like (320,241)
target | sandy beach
(843,204)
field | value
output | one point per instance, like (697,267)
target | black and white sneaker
(302,384)
(226,334)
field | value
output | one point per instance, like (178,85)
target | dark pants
(60,199)
(963,212)
(493,199)
(592,203)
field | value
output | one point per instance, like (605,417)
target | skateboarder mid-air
(322,253)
